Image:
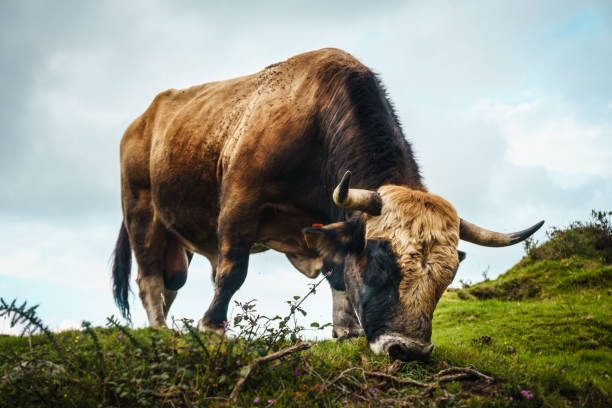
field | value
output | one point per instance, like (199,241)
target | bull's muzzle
(401,348)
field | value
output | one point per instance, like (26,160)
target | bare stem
(254,364)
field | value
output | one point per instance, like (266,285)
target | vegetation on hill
(539,335)
(545,324)
(572,259)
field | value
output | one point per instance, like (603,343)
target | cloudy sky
(508,106)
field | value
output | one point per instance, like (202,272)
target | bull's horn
(478,235)
(356,198)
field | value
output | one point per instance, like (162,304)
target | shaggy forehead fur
(423,230)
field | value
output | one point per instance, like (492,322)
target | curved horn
(355,198)
(478,235)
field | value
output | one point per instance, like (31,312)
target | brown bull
(238,166)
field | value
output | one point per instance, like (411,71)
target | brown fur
(423,230)
(183,156)
(226,167)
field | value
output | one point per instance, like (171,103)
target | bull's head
(399,253)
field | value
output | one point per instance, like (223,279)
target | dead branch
(445,375)
(394,367)
(343,373)
(254,364)
(428,390)
(453,377)
(398,380)
(349,381)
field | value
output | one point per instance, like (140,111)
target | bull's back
(188,140)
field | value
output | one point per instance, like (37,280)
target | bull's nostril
(399,351)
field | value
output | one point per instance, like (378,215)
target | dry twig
(453,373)
(398,380)
(446,375)
(254,364)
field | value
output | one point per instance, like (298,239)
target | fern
(27,316)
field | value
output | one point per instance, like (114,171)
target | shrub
(591,239)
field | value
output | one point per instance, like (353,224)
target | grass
(542,330)
(559,348)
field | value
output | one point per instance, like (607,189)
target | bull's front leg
(345,320)
(230,273)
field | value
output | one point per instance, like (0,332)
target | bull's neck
(362,134)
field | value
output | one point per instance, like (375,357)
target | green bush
(591,239)
(573,258)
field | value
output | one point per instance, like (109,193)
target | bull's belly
(190,211)
(205,241)
(196,229)
(196,234)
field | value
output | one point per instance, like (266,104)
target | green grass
(557,347)
(544,279)
(545,326)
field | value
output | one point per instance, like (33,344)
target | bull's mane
(361,131)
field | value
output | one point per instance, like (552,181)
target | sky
(507,105)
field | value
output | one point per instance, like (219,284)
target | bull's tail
(122,267)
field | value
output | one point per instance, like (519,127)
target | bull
(230,168)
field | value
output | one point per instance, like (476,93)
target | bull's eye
(381,268)
(374,277)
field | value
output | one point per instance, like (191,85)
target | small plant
(27,316)
(113,322)
(465,284)
(275,331)
(88,329)
(485,274)
(529,245)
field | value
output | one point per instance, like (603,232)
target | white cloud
(541,134)
(64,325)
(70,256)
(5,327)
(68,324)
(506,110)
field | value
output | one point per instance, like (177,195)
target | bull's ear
(334,241)
(461,255)
(326,241)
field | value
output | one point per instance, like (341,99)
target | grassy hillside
(542,331)
(545,324)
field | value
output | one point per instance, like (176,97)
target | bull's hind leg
(162,261)
(177,261)
(162,272)
(173,276)
(150,290)
(345,320)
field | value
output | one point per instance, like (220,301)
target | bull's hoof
(204,325)
(344,333)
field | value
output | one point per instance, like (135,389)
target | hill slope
(545,324)
(542,331)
